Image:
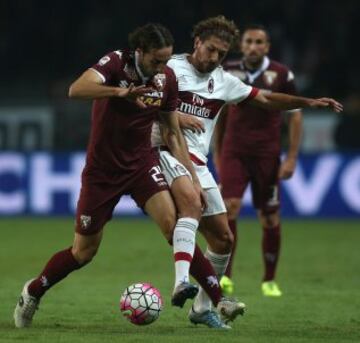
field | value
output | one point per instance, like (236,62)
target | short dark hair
(216,26)
(257,27)
(150,36)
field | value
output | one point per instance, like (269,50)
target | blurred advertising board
(324,185)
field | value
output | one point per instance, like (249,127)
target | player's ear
(197,42)
(140,52)
(267,47)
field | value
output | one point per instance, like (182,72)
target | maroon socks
(271,249)
(232,225)
(202,270)
(58,267)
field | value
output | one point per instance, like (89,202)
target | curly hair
(217,26)
(150,36)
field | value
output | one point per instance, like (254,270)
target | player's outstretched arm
(90,86)
(281,101)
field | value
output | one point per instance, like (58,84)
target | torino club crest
(159,82)
(270,77)
(85,221)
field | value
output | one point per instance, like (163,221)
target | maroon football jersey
(251,130)
(120,132)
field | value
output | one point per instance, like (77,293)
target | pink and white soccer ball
(141,303)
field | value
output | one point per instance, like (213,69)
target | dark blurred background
(45,45)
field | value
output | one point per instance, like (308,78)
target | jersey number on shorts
(156,174)
(274,199)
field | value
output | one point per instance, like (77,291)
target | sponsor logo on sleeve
(104,60)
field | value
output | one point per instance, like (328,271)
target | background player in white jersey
(204,87)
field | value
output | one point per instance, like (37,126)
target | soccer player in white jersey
(204,87)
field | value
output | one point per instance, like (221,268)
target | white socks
(219,262)
(183,247)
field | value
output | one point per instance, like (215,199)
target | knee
(190,205)
(233,207)
(84,255)
(228,240)
(223,243)
(269,220)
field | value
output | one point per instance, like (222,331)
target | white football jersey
(202,95)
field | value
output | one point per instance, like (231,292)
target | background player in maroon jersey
(130,89)
(249,153)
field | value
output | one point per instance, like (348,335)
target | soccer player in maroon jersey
(130,89)
(250,151)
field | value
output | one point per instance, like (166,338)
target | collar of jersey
(252,76)
(144,79)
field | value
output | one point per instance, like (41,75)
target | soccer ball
(141,303)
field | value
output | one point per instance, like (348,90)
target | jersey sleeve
(237,91)
(108,67)
(288,85)
(171,101)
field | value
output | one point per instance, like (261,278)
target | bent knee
(223,242)
(228,240)
(269,220)
(189,205)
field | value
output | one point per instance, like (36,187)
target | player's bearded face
(154,61)
(254,46)
(208,54)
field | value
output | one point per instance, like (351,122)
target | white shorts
(172,169)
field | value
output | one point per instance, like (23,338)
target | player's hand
(133,93)
(190,122)
(203,198)
(287,168)
(326,102)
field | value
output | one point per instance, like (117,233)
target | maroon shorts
(261,172)
(101,191)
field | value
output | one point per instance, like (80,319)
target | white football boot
(229,309)
(25,308)
(209,318)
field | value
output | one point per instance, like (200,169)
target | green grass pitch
(319,274)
